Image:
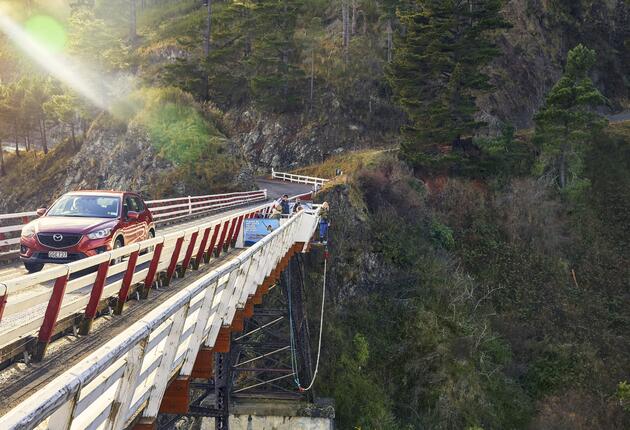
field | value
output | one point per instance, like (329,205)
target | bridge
(116,340)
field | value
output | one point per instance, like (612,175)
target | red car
(83,224)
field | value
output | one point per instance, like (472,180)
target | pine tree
(438,70)
(568,122)
(275,55)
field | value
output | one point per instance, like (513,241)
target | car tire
(33,267)
(118,243)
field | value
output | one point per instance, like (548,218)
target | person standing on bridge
(324,223)
(276,212)
(286,209)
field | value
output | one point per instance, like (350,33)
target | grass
(620,129)
(348,162)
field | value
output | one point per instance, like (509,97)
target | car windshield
(86,206)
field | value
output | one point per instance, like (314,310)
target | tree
(133,33)
(438,70)
(61,108)
(275,54)
(567,122)
(38,92)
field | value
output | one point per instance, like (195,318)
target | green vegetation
(567,122)
(438,70)
(479,273)
(494,305)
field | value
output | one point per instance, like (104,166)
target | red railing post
(148,282)
(126,284)
(238,229)
(189,252)
(3,300)
(50,317)
(225,245)
(213,242)
(223,233)
(202,249)
(173,264)
(95,298)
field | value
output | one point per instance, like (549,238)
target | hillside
(480,226)
(491,304)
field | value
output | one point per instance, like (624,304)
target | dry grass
(348,162)
(620,129)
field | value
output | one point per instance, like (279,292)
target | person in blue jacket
(286,209)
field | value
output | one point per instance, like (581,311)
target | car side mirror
(133,215)
(41,211)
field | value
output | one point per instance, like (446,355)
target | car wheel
(34,267)
(117,244)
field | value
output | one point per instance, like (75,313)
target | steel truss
(259,364)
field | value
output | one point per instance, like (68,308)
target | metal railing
(300,179)
(128,376)
(164,211)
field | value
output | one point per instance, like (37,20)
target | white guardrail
(165,210)
(300,179)
(127,377)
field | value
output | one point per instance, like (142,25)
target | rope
(321,330)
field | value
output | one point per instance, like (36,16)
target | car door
(143,218)
(136,227)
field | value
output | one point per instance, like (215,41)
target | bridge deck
(68,350)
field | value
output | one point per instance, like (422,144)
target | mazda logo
(57,237)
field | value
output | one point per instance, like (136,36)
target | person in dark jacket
(286,209)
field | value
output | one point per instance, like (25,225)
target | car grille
(67,239)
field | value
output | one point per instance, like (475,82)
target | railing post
(148,282)
(228,239)
(51,315)
(202,248)
(189,252)
(189,205)
(173,264)
(213,242)
(126,284)
(237,230)
(3,299)
(223,233)
(95,298)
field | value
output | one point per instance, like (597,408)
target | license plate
(57,254)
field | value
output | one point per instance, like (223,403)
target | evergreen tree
(275,55)
(438,70)
(568,122)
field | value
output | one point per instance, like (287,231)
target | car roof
(96,192)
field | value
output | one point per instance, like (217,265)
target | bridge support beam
(176,397)
(204,364)
(222,343)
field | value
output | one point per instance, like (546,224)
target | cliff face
(535,49)
(110,158)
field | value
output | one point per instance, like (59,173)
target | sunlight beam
(56,64)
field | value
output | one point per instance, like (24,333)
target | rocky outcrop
(114,160)
(288,141)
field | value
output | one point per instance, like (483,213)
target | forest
(481,233)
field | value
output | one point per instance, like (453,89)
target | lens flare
(54,63)
(47,32)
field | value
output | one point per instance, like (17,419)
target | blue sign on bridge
(255,229)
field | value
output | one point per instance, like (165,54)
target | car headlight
(28,230)
(100,234)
